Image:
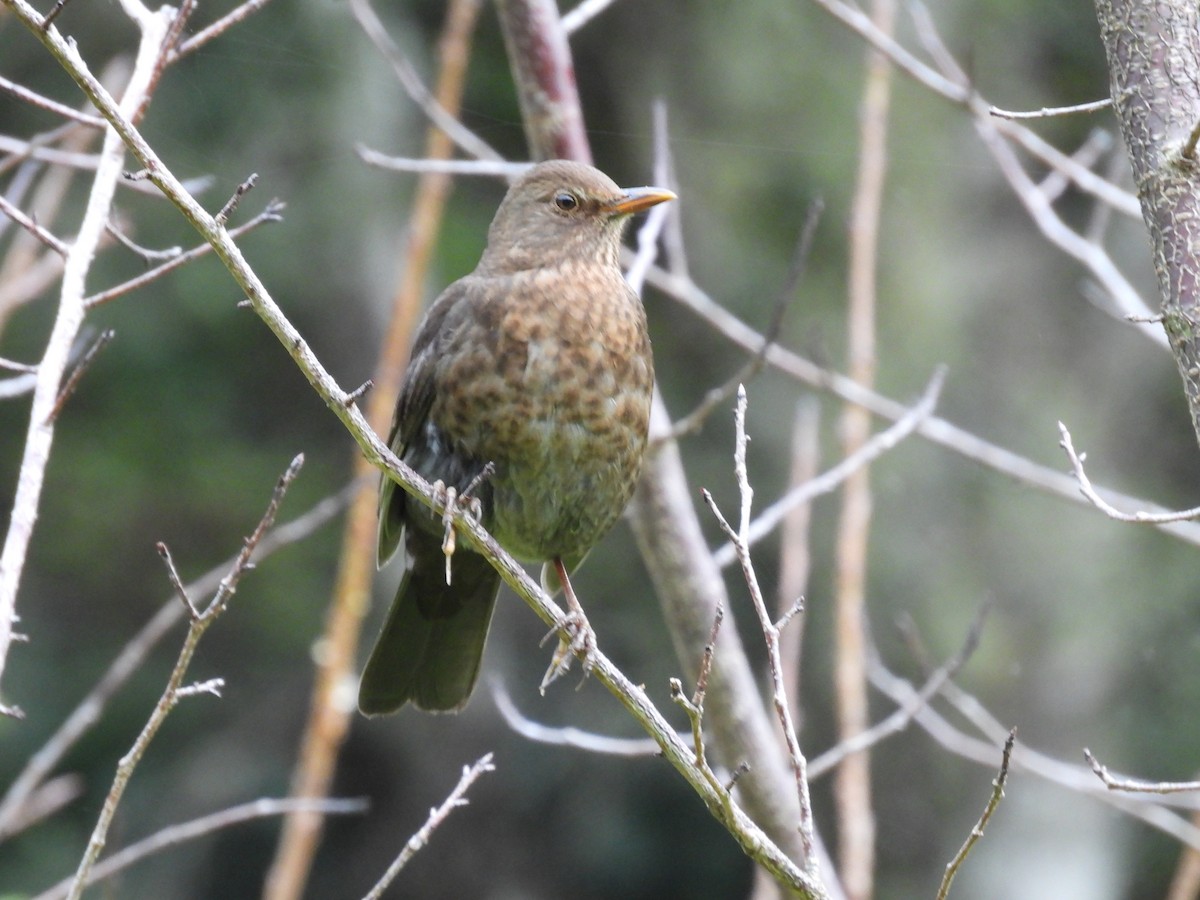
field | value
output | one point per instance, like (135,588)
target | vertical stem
(328,719)
(40,436)
(856,820)
(540,59)
(795,556)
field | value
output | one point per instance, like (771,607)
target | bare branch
(543,72)
(36,99)
(905,712)
(770,630)
(583,13)
(1072,777)
(470,142)
(977,831)
(1093,497)
(488,167)
(1093,257)
(1137,785)
(1047,112)
(174,835)
(272,213)
(418,841)
(216,29)
(33,228)
(80,369)
(567,736)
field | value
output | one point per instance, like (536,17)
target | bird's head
(560,211)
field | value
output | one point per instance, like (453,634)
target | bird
(528,388)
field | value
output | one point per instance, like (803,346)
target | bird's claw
(575,638)
(452,501)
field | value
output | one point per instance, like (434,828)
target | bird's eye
(566,201)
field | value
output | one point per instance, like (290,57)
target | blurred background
(180,429)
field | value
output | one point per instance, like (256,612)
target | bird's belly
(568,487)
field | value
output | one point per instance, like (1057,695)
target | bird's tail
(431,645)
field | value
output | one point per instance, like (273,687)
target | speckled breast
(557,395)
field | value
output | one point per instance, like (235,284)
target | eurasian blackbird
(537,363)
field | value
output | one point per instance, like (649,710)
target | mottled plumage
(538,362)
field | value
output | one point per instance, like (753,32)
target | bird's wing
(414,403)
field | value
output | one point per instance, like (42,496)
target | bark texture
(1153,49)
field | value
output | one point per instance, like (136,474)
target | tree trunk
(1153,49)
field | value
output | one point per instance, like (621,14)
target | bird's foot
(575,636)
(448,498)
(451,502)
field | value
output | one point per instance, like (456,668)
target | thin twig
(583,13)
(770,631)
(481,167)
(1056,182)
(1047,112)
(977,832)
(566,736)
(58,7)
(1137,785)
(203,826)
(85,362)
(36,99)
(33,228)
(1085,487)
(33,149)
(470,142)
(272,213)
(231,204)
(903,715)
(13,366)
(167,253)
(717,396)
(176,582)
(217,28)
(437,816)
(706,659)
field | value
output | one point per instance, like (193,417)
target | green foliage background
(179,431)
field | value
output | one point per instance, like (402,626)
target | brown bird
(537,368)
